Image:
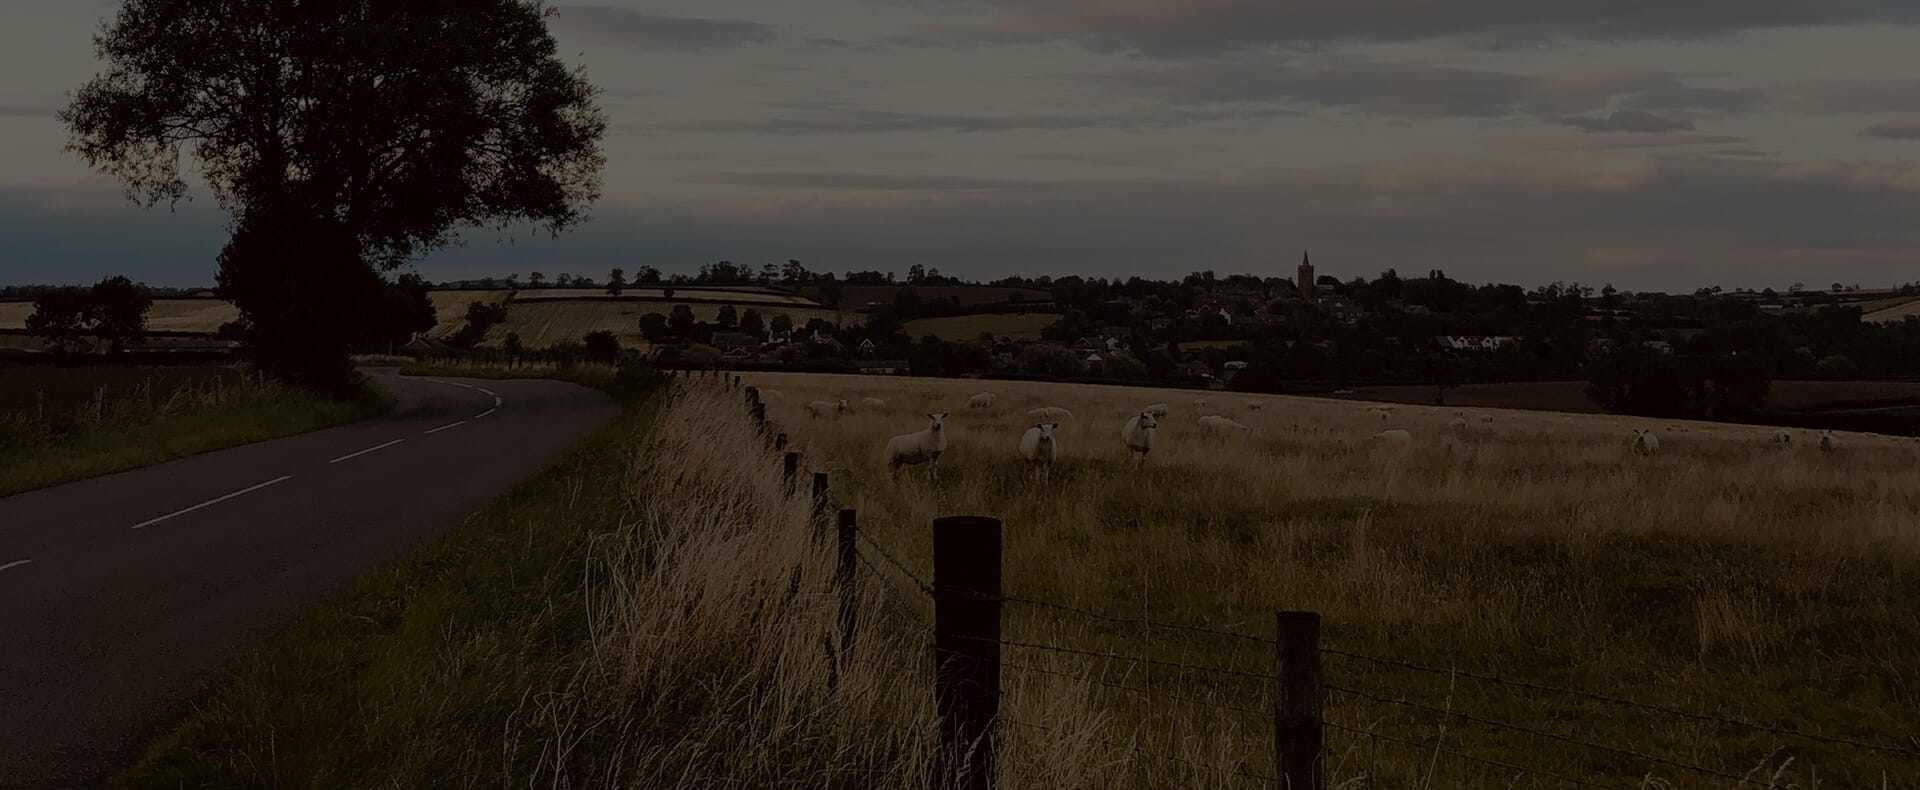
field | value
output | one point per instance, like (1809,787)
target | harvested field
(1569,396)
(173,315)
(1892,310)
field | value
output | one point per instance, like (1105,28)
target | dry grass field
(1726,576)
(960,328)
(1890,310)
(1570,396)
(173,315)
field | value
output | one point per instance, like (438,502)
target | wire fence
(1441,743)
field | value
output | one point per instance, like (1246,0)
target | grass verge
(423,675)
(269,414)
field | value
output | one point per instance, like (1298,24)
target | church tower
(1305,282)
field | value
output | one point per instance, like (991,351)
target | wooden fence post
(790,470)
(845,578)
(760,418)
(753,395)
(1298,732)
(966,650)
(779,442)
(819,508)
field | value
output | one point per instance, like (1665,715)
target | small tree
(728,318)
(536,279)
(514,348)
(680,321)
(648,276)
(60,318)
(782,325)
(602,346)
(752,324)
(616,281)
(653,327)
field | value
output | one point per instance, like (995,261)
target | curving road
(123,596)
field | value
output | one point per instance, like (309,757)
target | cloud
(1184,28)
(1897,129)
(1867,96)
(1607,142)
(626,27)
(846,119)
(27,111)
(1416,90)
(1628,121)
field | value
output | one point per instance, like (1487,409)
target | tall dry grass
(1724,575)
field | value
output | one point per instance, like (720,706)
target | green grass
(424,675)
(1019,326)
(29,463)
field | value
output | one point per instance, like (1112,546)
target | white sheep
(1039,447)
(1644,442)
(1051,414)
(1782,436)
(980,400)
(1157,410)
(1394,436)
(827,408)
(874,404)
(1199,403)
(1254,405)
(1829,442)
(1138,434)
(920,447)
(1218,425)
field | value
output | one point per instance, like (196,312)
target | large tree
(345,137)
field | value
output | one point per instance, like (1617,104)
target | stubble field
(1770,591)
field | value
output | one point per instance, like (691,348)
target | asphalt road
(123,597)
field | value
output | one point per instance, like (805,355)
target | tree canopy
(345,137)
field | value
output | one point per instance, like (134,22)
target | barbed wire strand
(1150,693)
(1539,733)
(1242,772)
(898,565)
(1732,722)
(893,592)
(1521,769)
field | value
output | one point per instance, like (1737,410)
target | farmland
(1724,574)
(963,328)
(1569,396)
(541,324)
(173,315)
(859,296)
(1889,310)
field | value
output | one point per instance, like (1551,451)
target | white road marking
(488,391)
(250,489)
(364,452)
(14,564)
(484,413)
(444,427)
(496,401)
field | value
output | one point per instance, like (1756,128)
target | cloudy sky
(1651,144)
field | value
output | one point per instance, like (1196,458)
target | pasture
(1758,582)
(962,328)
(171,315)
(1570,396)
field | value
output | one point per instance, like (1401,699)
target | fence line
(853,555)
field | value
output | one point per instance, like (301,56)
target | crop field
(858,296)
(173,315)
(542,324)
(1019,326)
(1889,310)
(1570,396)
(1739,593)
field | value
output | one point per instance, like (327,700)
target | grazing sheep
(1486,418)
(1644,442)
(1394,436)
(1138,434)
(827,408)
(1254,405)
(1040,448)
(980,400)
(1051,414)
(874,404)
(1199,403)
(1782,436)
(1829,442)
(1157,410)
(1381,413)
(1221,426)
(920,447)
(1457,424)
